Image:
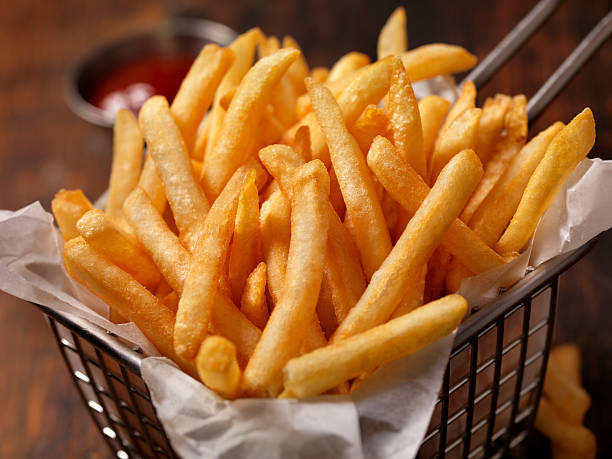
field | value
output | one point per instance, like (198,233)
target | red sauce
(130,85)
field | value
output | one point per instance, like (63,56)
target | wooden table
(44,147)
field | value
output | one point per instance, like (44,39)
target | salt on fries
(291,229)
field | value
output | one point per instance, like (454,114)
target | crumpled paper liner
(386,417)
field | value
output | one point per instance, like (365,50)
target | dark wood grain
(44,147)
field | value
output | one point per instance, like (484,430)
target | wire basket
(487,403)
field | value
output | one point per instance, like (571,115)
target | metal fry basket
(487,402)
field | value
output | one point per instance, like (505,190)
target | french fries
(428,61)
(245,243)
(218,366)
(169,153)
(128,144)
(253,302)
(459,135)
(243,48)
(422,235)
(125,294)
(162,245)
(515,134)
(198,89)
(200,289)
(68,207)
(409,189)
(236,134)
(123,249)
(309,205)
(283,335)
(322,369)
(370,230)
(393,38)
(563,405)
(563,154)
(405,120)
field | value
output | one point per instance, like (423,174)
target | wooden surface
(44,147)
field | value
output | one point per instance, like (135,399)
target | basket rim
(132,358)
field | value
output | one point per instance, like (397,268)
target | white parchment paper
(386,417)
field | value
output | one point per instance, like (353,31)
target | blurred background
(45,147)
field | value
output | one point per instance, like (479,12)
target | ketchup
(132,83)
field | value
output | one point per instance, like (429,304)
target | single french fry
(243,48)
(491,125)
(496,210)
(414,296)
(275,230)
(410,191)
(201,284)
(465,102)
(68,207)
(370,229)
(245,242)
(150,183)
(322,369)
(435,59)
(510,143)
(299,69)
(342,271)
(284,332)
(236,134)
(162,245)
(166,147)
(128,144)
(123,249)
(301,143)
(125,294)
(405,120)
(393,37)
(576,440)
(218,367)
(227,320)
(566,359)
(571,401)
(418,241)
(253,303)
(372,122)
(460,135)
(433,110)
(348,65)
(198,89)
(562,156)
(284,101)
(320,74)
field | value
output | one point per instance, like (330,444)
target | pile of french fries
(292,229)
(563,406)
